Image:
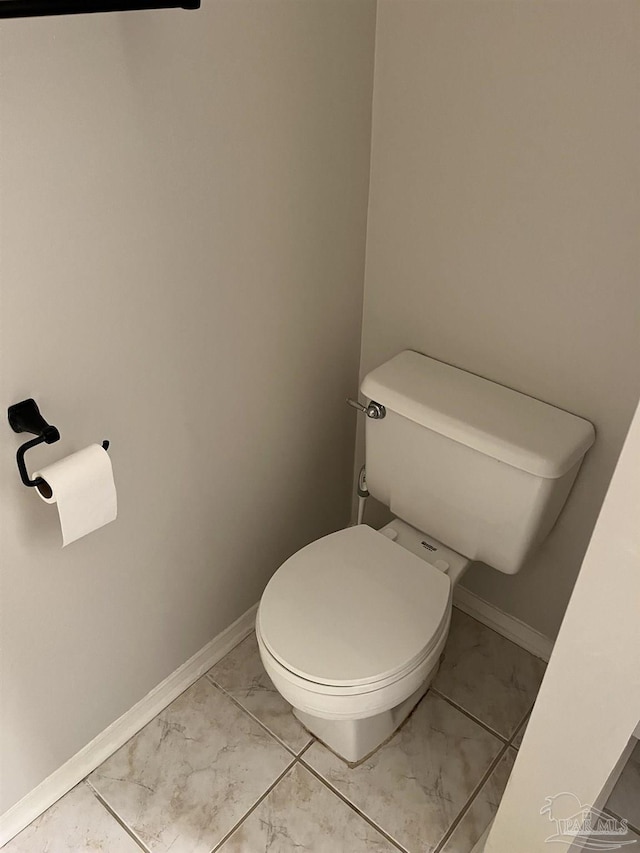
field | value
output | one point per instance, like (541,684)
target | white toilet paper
(83,488)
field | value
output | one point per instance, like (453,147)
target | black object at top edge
(33,8)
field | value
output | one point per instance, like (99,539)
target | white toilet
(351,628)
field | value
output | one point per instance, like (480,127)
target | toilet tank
(483,468)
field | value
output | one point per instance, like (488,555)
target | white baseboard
(508,626)
(118,733)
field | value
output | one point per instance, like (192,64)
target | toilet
(351,628)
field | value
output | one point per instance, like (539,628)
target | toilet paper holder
(25,417)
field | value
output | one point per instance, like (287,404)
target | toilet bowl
(351,630)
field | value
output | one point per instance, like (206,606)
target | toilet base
(355,740)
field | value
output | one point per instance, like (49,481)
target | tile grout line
(235,701)
(353,807)
(262,797)
(120,821)
(520,725)
(465,808)
(307,747)
(506,745)
(468,714)
(294,760)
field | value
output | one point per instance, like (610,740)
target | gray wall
(184,204)
(503,225)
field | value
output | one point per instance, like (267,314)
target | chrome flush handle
(374,410)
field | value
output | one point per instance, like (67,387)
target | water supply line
(363,493)
(374,411)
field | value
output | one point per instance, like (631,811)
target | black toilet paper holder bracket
(25,417)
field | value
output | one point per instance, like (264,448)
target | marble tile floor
(227,767)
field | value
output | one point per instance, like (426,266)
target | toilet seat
(353,612)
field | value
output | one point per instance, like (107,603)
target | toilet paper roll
(83,488)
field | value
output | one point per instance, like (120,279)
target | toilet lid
(353,608)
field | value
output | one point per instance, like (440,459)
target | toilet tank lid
(516,429)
